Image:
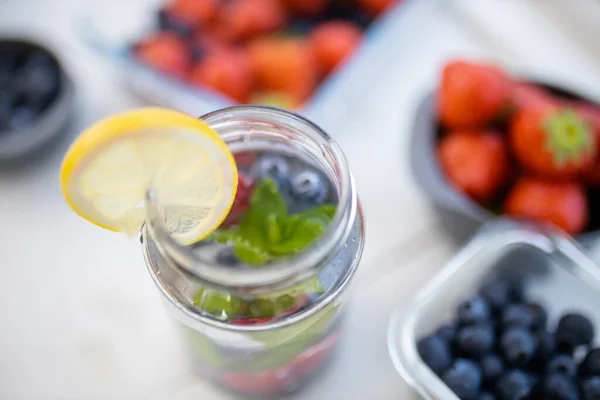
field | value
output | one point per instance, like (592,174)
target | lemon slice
(109,169)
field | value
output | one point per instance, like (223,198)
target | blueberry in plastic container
(574,330)
(475,341)
(464,379)
(492,368)
(447,332)
(562,364)
(590,366)
(518,346)
(514,385)
(558,387)
(473,310)
(590,388)
(435,353)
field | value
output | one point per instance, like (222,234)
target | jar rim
(282,273)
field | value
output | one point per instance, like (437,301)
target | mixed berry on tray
(519,148)
(257,51)
(500,346)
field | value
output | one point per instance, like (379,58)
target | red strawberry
(241,201)
(225,70)
(165,52)
(552,142)
(376,7)
(333,42)
(525,95)
(472,95)
(196,12)
(262,383)
(309,361)
(475,162)
(285,65)
(246,19)
(563,204)
(308,8)
(244,159)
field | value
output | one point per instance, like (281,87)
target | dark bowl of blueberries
(36,97)
(513,316)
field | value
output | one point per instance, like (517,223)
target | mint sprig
(266,231)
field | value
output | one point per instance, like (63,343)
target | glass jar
(275,354)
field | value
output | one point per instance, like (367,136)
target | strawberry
(196,12)
(310,8)
(262,383)
(165,52)
(333,42)
(307,362)
(475,162)
(241,202)
(285,65)
(226,71)
(563,204)
(375,7)
(245,19)
(552,142)
(525,95)
(472,95)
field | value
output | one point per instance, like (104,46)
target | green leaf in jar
(219,303)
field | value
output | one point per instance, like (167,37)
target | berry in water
(310,186)
(274,167)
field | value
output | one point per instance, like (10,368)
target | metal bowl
(461,216)
(50,123)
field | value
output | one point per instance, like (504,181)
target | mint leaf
(273,228)
(250,253)
(247,244)
(301,234)
(223,304)
(322,214)
(267,200)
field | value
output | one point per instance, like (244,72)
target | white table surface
(80,316)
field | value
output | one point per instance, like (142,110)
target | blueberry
(518,346)
(558,387)
(517,291)
(546,346)
(435,352)
(492,367)
(37,81)
(514,385)
(590,388)
(538,314)
(590,366)
(517,315)
(464,379)
(562,364)
(274,167)
(21,117)
(475,340)
(447,332)
(473,310)
(573,330)
(486,396)
(496,293)
(5,109)
(167,22)
(227,258)
(310,186)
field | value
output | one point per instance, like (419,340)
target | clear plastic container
(559,276)
(263,330)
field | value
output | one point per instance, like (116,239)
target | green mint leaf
(225,236)
(253,227)
(251,253)
(301,235)
(222,304)
(322,214)
(267,200)
(273,228)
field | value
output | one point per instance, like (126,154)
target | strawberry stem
(568,137)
